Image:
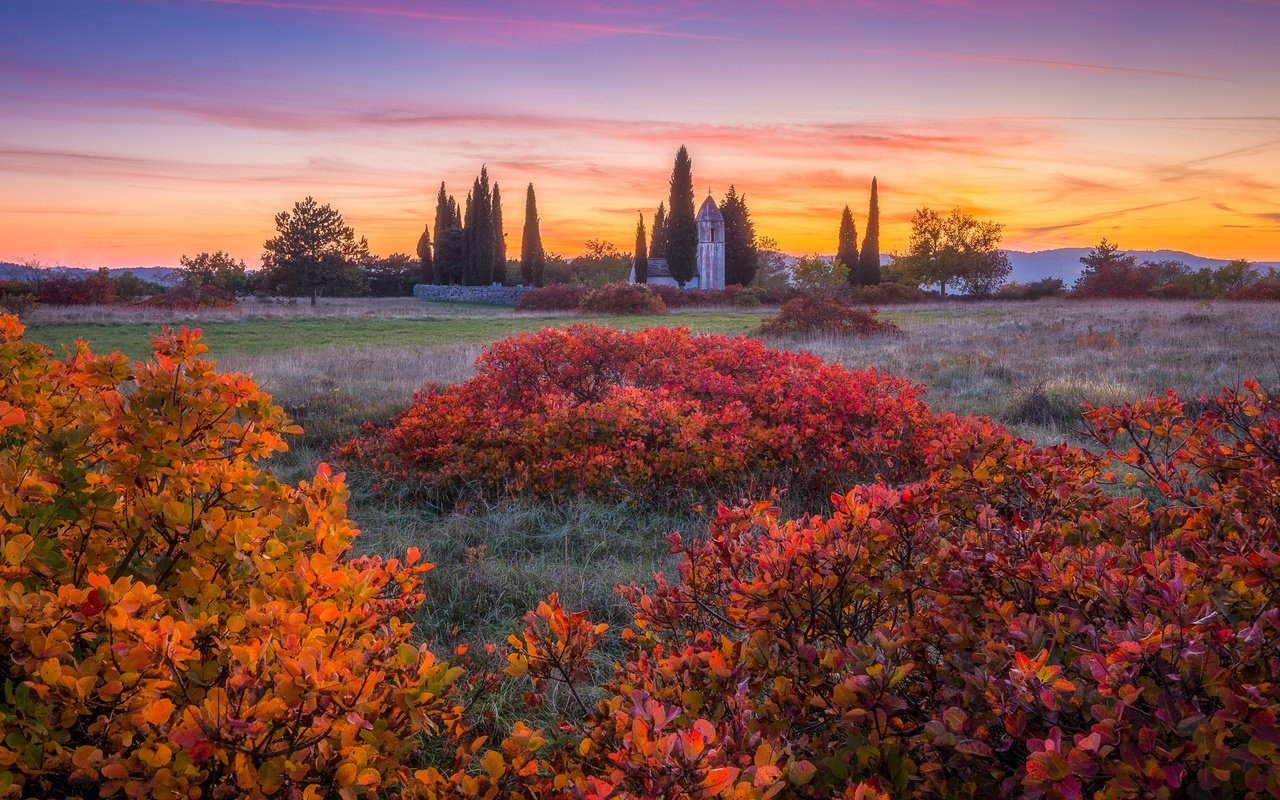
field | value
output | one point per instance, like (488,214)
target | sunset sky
(136,131)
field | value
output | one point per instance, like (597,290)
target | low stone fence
(495,294)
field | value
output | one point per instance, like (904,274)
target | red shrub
(1266,289)
(557,297)
(622,298)
(1003,627)
(676,297)
(186,298)
(824,313)
(657,414)
(62,291)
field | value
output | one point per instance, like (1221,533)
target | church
(710,264)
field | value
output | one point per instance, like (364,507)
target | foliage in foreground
(993,621)
(177,622)
(657,415)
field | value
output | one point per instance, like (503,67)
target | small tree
(393,275)
(426,264)
(773,272)
(847,244)
(315,251)
(815,272)
(641,259)
(681,228)
(532,259)
(658,236)
(955,249)
(218,270)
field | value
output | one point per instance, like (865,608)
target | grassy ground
(1028,365)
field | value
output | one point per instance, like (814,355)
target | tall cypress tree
(479,228)
(642,257)
(448,239)
(740,255)
(681,227)
(532,259)
(499,240)
(869,259)
(658,238)
(468,235)
(428,270)
(847,247)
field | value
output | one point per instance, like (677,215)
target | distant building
(710,264)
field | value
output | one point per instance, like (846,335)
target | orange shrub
(825,313)
(177,622)
(659,415)
(622,298)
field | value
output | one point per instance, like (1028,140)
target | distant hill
(165,276)
(1064,262)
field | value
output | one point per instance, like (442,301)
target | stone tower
(710,245)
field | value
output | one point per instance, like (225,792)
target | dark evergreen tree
(448,254)
(532,259)
(427,270)
(741,258)
(480,236)
(868,271)
(658,237)
(847,247)
(499,240)
(641,256)
(315,252)
(681,227)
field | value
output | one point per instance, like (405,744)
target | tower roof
(710,210)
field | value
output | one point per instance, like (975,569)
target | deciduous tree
(956,249)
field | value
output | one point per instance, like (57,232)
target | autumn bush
(825,314)
(76,291)
(622,298)
(178,623)
(1266,289)
(190,298)
(659,415)
(1007,626)
(675,297)
(556,297)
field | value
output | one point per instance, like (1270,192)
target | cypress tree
(869,259)
(428,271)
(740,255)
(641,257)
(448,239)
(532,259)
(658,238)
(681,227)
(480,238)
(468,235)
(499,240)
(847,247)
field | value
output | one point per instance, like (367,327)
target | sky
(133,132)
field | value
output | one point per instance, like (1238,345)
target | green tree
(847,244)
(815,272)
(681,228)
(393,275)
(641,260)
(450,247)
(867,271)
(426,265)
(1108,272)
(601,262)
(499,240)
(658,236)
(956,249)
(1236,274)
(532,259)
(741,258)
(479,229)
(315,252)
(218,270)
(773,272)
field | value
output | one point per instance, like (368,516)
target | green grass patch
(263,336)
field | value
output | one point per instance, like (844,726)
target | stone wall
(495,294)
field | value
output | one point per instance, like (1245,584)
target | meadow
(1028,366)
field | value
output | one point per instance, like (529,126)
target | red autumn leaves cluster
(658,415)
(986,617)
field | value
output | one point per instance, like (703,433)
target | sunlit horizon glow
(136,131)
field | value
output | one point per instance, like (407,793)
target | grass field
(1028,365)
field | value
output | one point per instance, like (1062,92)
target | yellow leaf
(16,549)
(493,764)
